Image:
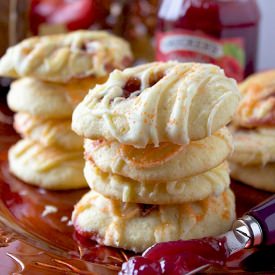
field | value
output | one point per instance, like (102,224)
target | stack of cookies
(253,161)
(155,152)
(55,74)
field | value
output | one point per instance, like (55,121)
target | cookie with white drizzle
(135,226)
(47,99)
(158,102)
(168,162)
(257,176)
(212,182)
(63,57)
(253,147)
(257,106)
(46,166)
(48,132)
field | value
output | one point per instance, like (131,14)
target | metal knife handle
(264,213)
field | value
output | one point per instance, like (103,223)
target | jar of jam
(222,32)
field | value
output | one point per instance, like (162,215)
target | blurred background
(147,24)
(266,57)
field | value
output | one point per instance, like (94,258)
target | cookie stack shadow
(54,74)
(155,151)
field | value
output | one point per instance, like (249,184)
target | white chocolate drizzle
(179,86)
(43,158)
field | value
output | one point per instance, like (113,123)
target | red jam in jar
(222,32)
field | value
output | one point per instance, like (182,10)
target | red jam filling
(178,257)
(83,47)
(132,85)
(146,209)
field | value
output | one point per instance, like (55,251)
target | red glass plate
(33,241)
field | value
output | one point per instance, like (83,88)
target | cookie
(158,102)
(257,106)
(168,162)
(46,167)
(48,100)
(257,176)
(62,57)
(190,189)
(253,147)
(138,226)
(48,132)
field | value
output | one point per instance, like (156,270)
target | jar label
(194,46)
